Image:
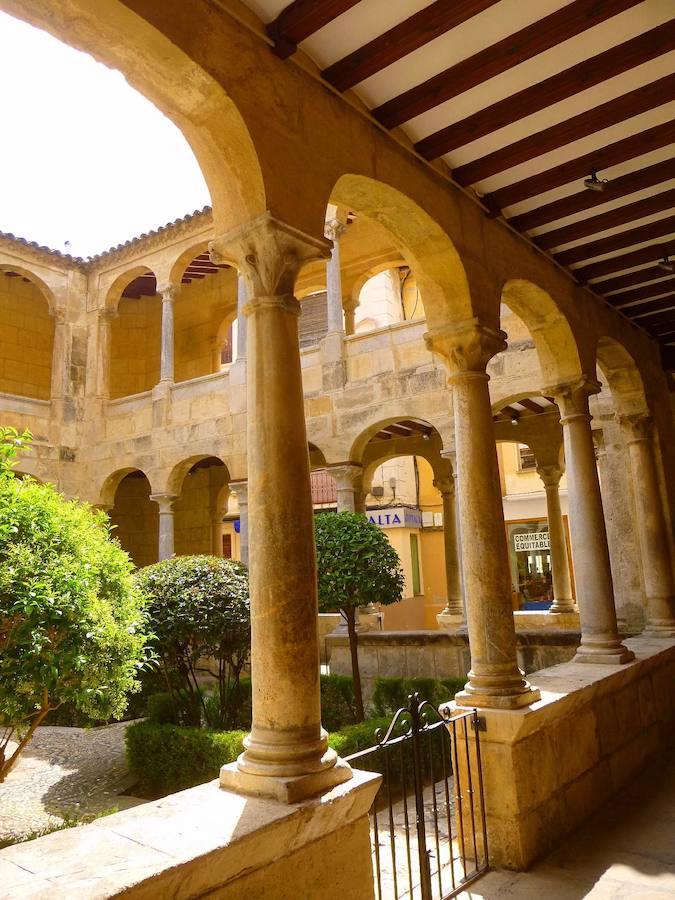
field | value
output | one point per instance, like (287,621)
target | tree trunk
(350,615)
(8,764)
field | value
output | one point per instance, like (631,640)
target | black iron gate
(428,819)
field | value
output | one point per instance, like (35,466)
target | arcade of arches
(367,343)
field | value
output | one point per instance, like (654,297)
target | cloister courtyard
(403,304)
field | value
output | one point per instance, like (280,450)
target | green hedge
(390,694)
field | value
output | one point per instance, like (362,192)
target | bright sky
(84,157)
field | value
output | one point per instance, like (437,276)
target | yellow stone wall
(135,346)
(200,311)
(136,520)
(26,339)
(195,509)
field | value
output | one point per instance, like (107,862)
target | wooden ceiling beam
(546,93)
(593,120)
(642,309)
(611,285)
(619,241)
(603,158)
(643,293)
(630,212)
(396,429)
(419,427)
(498,58)
(625,261)
(585,199)
(511,412)
(666,317)
(416,31)
(531,405)
(300,19)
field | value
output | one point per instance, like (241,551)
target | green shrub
(161,710)
(338,707)
(391,694)
(168,758)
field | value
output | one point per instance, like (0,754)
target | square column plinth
(207,842)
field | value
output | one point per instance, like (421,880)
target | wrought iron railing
(428,827)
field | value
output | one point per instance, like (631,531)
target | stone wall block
(576,744)
(582,796)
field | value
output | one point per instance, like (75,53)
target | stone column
(286,754)
(168,293)
(334,231)
(166,524)
(350,319)
(454,606)
(240,489)
(651,526)
(600,642)
(60,361)
(241,318)
(350,496)
(105,318)
(495,679)
(560,564)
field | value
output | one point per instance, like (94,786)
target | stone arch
(552,334)
(39,283)
(179,470)
(623,377)
(424,245)
(106,494)
(197,104)
(113,294)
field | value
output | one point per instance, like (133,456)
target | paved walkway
(74,771)
(627,850)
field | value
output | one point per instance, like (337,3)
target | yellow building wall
(194,512)
(201,310)
(432,547)
(135,518)
(135,348)
(407,614)
(26,339)
(513,480)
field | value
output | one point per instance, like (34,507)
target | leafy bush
(391,694)
(338,707)
(72,628)
(199,610)
(356,566)
(168,758)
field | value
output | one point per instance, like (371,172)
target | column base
(563,606)
(607,653)
(284,789)
(450,621)
(659,628)
(510,691)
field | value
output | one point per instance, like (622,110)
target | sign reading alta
(396,517)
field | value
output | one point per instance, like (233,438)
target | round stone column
(241,318)
(104,342)
(651,526)
(168,293)
(165,549)
(349,487)
(495,679)
(600,642)
(454,604)
(560,564)
(334,230)
(240,490)
(286,754)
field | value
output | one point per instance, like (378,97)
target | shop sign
(534,541)
(396,517)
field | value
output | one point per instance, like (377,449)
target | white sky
(84,157)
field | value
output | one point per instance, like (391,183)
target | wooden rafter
(498,58)
(593,120)
(532,405)
(551,90)
(644,293)
(642,309)
(611,285)
(629,238)
(625,261)
(611,155)
(585,199)
(302,18)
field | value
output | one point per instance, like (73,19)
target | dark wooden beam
(396,429)
(661,318)
(419,427)
(416,31)
(593,120)
(630,212)
(611,155)
(643,293)
(551,90)
(611,285)
(500,57)
(302,18)
(585,199)
(643,309)
(511,412)
(628,238)
(668,358)
(531,405)
(625,261)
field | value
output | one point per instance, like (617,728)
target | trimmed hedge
(390,694)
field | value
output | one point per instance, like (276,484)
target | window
(526,460)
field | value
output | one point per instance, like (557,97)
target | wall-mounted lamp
(667,264)
(593,183)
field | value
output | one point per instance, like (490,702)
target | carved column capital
(347,475)
(240,490)
(270,253)
(571,397)
(550,475)
(334,229)
(168,292)
(445,485)
(467,348)
(636,427)
(164,501)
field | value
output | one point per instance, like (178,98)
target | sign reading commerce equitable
(528,542)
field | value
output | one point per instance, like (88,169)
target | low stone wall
(548,767)
(438,654)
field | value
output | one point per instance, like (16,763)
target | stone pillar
(166,524)
(286,755)
(241,318)
(560,564)
(495,679)
(454,607)
(350,319)
(105,317)
(168,293)
(334,231)
(60,361)
(600,641)
(350,496)
(651,526)
(240,489)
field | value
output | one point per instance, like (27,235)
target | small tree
(71,621)
(356,566)
(199,610)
